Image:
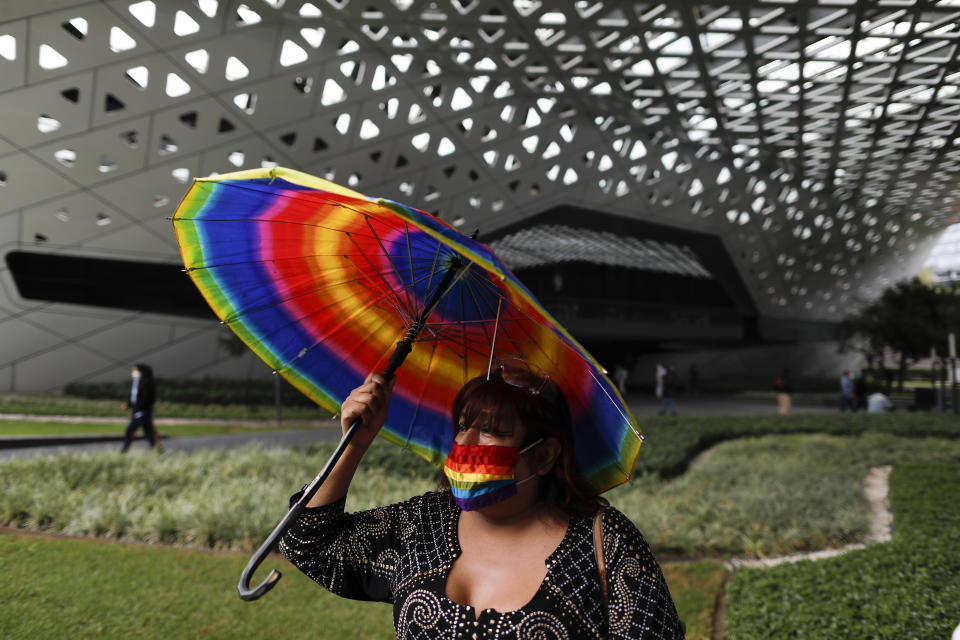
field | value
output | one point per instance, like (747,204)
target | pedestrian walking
(784,389)
(143,395)
(668,392)
(661,372)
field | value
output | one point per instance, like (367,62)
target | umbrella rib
(406,307)
(485,282)
(345,355)
(363,308)
(259,221)
(433,267)
(478,346)
(463,335)
(406,237)
(423,391)
(476,304)
(614,402)
(533,340)
(507,322)
(415,281)
(455,323)
(429,328)
(392,266)
(207,267)
(400,312)
(281,301)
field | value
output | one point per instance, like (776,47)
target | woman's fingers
(368,402)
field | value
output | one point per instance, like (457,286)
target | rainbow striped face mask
(481,475)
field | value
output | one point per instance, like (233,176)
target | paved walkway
(296,438)
(646,406)
(643,407)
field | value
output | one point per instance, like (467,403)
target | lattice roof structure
(817,139)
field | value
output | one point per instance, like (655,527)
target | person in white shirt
(878,403)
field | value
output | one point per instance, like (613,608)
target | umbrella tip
(476,232)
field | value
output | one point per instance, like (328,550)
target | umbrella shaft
(405,346)
(402,350)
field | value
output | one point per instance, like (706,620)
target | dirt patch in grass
(697,588)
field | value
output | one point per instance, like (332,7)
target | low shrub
(60,405)
(671,443)
(754,496)
(208,498)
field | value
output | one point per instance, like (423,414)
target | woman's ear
(547,454)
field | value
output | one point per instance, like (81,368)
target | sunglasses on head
(521,374)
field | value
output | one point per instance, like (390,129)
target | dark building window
(118,284)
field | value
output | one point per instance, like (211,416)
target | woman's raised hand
(369,402)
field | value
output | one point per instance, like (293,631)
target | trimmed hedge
(907,588)
(671,443)
(204,391)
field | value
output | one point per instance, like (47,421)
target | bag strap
(598,551)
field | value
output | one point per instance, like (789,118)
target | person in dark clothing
(669,391)
(860,390)
(143,395)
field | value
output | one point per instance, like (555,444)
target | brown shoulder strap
(598,550)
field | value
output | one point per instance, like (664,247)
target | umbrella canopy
(321,282)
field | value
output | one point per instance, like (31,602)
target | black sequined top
(402,554)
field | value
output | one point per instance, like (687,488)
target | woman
(510,558)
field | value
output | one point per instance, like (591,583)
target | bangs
(501,403)
(492,399)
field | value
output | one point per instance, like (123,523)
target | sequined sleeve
(640,605)
(352,555)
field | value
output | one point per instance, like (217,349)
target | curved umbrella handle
(400,352)
(243,588)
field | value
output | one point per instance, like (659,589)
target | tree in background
(907,320)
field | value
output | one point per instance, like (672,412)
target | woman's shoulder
(439,499)
(428,506)
(618,527)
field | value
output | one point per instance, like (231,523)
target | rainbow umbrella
(327,285)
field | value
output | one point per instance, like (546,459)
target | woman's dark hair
(542,408)
(146,371)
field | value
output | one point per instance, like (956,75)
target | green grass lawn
(907,588)
(67,588)
(770,495)
(62,588)
(55,428)
(753,494)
